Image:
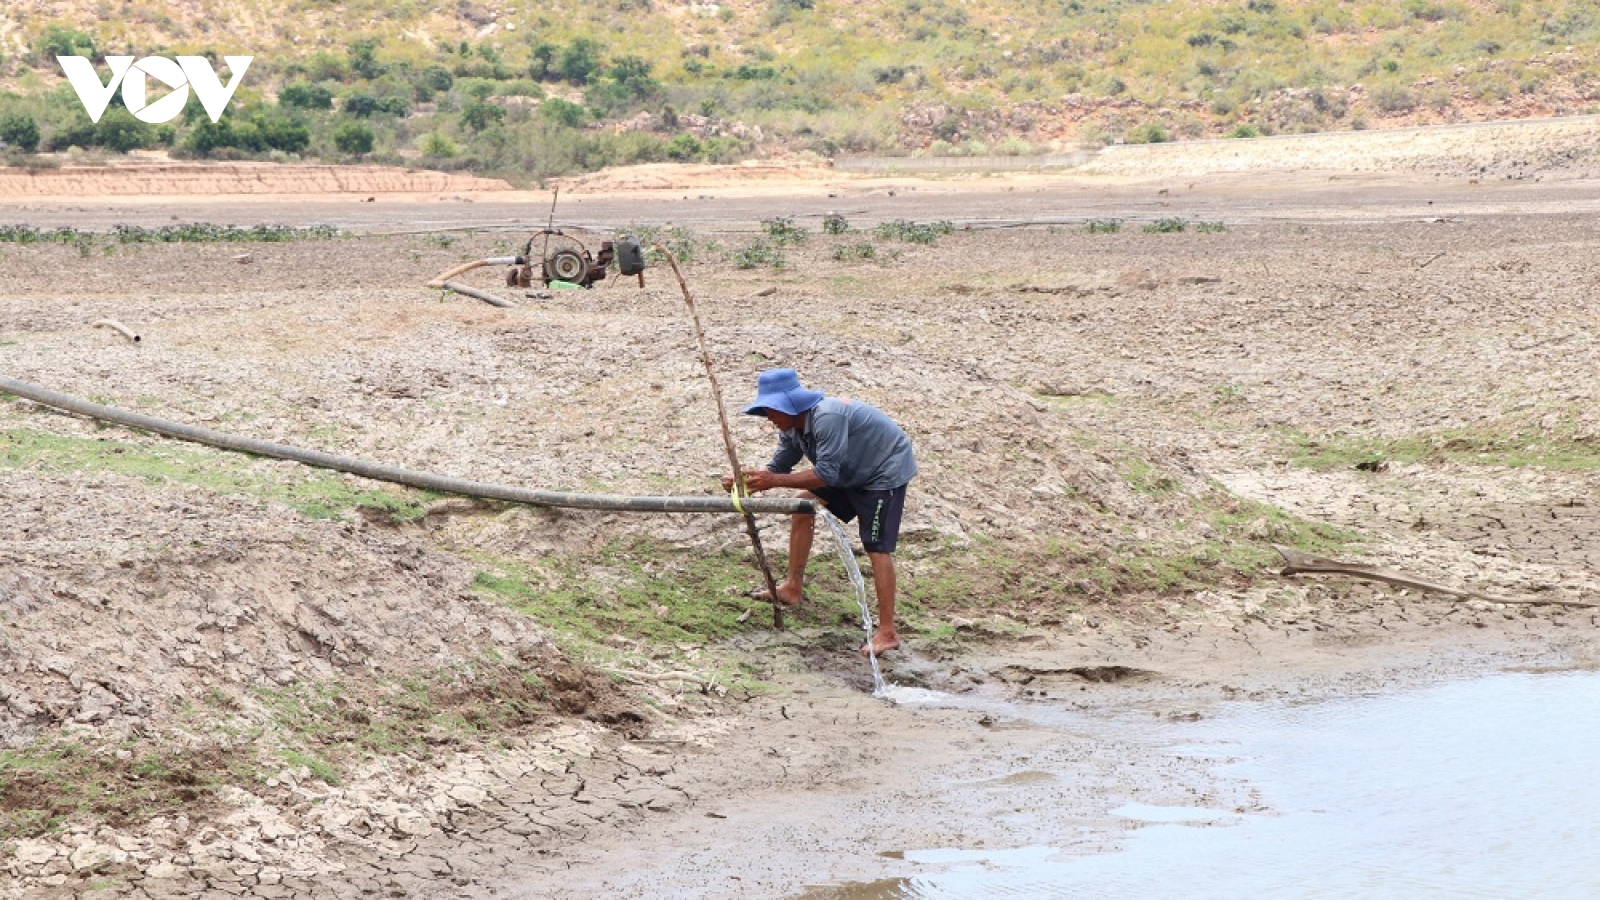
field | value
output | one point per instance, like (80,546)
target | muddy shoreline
(823,787)
(1093,389)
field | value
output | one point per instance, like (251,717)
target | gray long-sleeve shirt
(851,445)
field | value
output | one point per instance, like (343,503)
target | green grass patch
(329,726)
(759,253)
(192,233)
(635,589)
(913,232)
(48,786)
(853,252)
(683,243)
(783,231)
(1103,226)
(1047,580)
(1555,450)
(314,493)
(1166,226)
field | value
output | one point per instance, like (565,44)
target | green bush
(1166,226)
(437,146)
(57,41)
(833,223)
(359,104)
(783,231)
(479,116)
(118,130)
(1245,131)
(437,78)
(353,138)
(759,253)
(251,133)
(303,95)
(20,131)
(625,84)
(1103,226)
(684,148)
(1148,133)
(913,232)
(563,112)
(848,252)
(580,61)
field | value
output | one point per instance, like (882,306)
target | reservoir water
(1482,788)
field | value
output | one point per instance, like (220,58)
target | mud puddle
(1464,789)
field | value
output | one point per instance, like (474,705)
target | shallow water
(1483,788)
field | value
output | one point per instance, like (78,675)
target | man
(860,464)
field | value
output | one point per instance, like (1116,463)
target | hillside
(526,90)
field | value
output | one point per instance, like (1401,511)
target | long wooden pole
(727,442)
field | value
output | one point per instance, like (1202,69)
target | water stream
(851,568)
(1479,788)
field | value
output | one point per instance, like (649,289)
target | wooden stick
(727,441)
(1297,563)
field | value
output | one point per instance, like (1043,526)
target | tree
(438,78)
(478,116)
(360,105)
(625,83)
(20,131)
(543,64)
(118,130)
(303,95)
(580,60)
(438,146)
(362,59)
(57,41)
(283,134)
(353,138)
(562,112)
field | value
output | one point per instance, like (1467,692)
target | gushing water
(848,556)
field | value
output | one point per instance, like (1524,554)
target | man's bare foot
(788,594)
(883,640)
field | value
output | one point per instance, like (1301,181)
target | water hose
(119,328)
(426,481)
(445,280)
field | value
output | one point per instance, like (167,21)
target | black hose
(424,480)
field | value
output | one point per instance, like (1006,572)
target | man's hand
(754,480)
(758,480)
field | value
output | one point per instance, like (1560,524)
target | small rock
(416,826)
(93,856)
(34,853)
(165,870)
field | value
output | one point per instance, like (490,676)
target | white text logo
(188,72)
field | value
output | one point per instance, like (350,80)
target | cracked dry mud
(1030,365)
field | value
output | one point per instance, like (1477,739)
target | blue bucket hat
(780,389)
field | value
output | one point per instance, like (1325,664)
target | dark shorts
(879,512)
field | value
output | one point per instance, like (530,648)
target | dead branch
(1297,563)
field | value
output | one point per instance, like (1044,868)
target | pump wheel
(567,265)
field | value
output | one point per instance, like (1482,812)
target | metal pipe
(426,481)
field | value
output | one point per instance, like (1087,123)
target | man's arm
(766,479)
